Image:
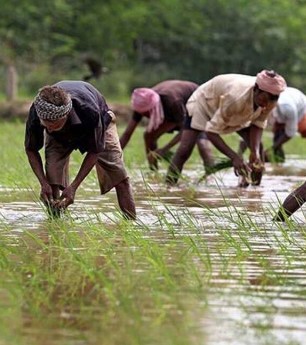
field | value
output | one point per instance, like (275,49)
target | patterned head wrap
(50,111)
(271,82)
(147,100)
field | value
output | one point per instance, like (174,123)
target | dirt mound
(123,112)
(13,110)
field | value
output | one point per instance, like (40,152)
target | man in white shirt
(288,118)
(225,104)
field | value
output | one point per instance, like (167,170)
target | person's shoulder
(292,92)
(293,97)
(75,85)
(231,83)
(174,87)
(32,112)
(176,82)
(187,84)
(69,83)
(243,78)
(32,108)
(32,120)
(83,94)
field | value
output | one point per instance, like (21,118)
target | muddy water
(258,298)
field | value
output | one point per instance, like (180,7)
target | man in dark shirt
(165,107)
(73,115)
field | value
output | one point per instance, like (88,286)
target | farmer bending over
(73,115)
(165,107)
(289,118)
(225,104)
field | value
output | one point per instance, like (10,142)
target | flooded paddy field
(203,264)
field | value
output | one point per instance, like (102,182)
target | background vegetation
(141,42)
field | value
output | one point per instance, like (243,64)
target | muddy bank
(20,109)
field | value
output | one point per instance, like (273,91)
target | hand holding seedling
(66,198)
(46,194)
(240,166)
(159,153)
(152,159)
(256,164)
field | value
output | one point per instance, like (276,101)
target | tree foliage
(150,40)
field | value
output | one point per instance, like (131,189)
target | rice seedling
(186,267)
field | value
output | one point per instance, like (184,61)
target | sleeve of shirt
(290,117)
(34,133)
(95,141)
(96,129)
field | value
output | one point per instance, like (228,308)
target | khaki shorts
(110,167)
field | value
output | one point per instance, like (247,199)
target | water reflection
(217,259)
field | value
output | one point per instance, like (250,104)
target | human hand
(258,167)
(268,154)
(255,163)
(46,195)
(160,153)
(152,160)
(241,167)
(66,198)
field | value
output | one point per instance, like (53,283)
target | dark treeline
(120,44)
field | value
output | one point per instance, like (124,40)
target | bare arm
(171,143)
(256,160)
(88,163)
(282,139)
(255,140)
(68,194)
(162,152)
(292,203)
(240,167)
(276,149)
(289,123)
(220,144)
(126,136)
(150,139)
(37,166)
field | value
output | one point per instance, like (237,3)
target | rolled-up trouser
(110,166)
